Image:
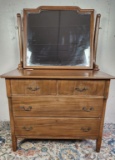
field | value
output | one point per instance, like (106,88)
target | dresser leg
(14,143)
(98,144)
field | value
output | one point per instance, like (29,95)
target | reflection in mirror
(58,38)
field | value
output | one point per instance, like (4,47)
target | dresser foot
(14,143)
(98,144)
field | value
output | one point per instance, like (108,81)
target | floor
(57,149)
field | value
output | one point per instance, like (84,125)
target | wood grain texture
(19,23)
(57,107)
(8,87)
(96,33)
(81,87)
(14,139)
(99,139)
(93,137)
(59,102)
(70,127)
(33,87)
(57,74)
(64,87)
(61,108)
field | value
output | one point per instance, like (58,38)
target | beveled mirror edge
(73,8)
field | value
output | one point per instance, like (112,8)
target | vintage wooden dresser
(57,101)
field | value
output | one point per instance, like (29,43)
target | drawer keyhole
(87,109)
(26,109)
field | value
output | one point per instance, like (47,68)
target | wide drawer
(81,87)
(57,127)
(57,106)
(33,87)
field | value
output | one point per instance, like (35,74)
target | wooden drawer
(33,87)
(57,127)
(57,106)
(81,87)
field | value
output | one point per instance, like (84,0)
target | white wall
(9,51)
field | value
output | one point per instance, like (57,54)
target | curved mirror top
(58,38)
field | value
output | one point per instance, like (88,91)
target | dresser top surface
(57,74)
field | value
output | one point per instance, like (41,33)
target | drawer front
(81,87)
(57,127)
(33,87)
(57,106)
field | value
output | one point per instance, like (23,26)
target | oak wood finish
(33,87)
(57,107)
(14,139)
(99,139)
(57,127)
(57,74)
(58,104)
(62,108)
(96,34)
(65,87)
(19,23)
(81,87)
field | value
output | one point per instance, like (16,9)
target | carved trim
(76,8)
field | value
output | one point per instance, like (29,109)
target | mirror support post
(96,34)
(19,23)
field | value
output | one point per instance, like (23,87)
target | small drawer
(57,107)
(57,127)
(81,87)
(33,87)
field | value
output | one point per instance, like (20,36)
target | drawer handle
(33,89)
(81,89)
(88,110)
(27,128)
(26,109)
(86,129)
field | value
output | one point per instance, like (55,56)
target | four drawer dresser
(48,104)
(57,91)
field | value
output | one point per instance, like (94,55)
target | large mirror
(58,38)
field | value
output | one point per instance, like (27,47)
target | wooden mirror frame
(72,8)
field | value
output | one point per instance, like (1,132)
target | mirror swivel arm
(95,41)
(19,23)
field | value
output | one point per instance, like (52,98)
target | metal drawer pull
(33,89)
(27,128)
(88,110)
(86,129)
(81,89)
(26,109)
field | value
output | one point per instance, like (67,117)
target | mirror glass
(58,38)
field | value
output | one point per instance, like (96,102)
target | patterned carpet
(57,149)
